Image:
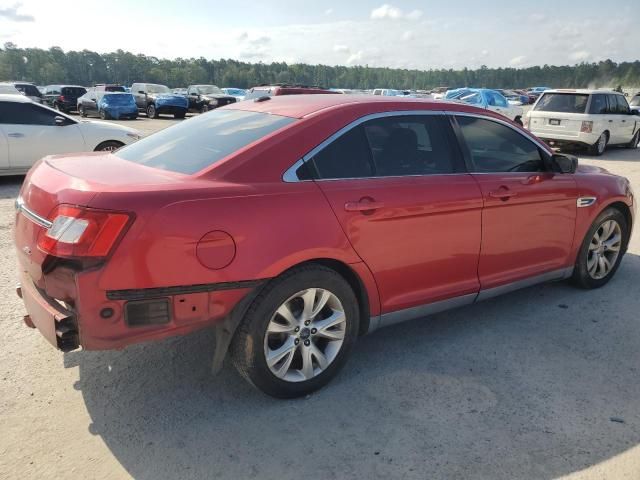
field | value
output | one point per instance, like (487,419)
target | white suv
(591,118)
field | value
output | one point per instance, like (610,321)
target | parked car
(295,224)
(207,97)
(514,97)
(155,100)
(110,87)
(108,105)
(634,104)
(29,131)
(535,92)
(27,89)
(388,92)
(63,98)
(180,91)
(239,93)
(488,99)
(585,118)
(284,89)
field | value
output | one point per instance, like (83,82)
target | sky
(400,34)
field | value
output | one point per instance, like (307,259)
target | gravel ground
(540,383)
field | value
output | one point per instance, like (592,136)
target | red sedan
(295,224)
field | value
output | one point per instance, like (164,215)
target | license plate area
(554,121)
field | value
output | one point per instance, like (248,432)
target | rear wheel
(601,250)
(634,141)
(298,332)
(108,146)
(81,111)
(204,108)
(104,115)
(151,111)
(600,146)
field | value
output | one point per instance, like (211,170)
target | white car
(30,131)
(591,118)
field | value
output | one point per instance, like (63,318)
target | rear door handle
(363,205)
(15,135)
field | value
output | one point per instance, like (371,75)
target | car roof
(584,91)
(300,106)
(7,97)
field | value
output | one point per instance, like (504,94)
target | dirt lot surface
(541,383)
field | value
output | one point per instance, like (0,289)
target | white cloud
(242,37)
(356,58)
(537,17)
(11,14)
(517,61)
(408,35)
(389,12)
(341,48)
(580,56)
(328,11)
(484,53)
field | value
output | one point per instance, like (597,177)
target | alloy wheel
(602,143)
(604,249)
(305,335)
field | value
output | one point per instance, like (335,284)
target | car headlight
(213,102)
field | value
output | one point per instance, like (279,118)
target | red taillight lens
(587,127)
(82,232)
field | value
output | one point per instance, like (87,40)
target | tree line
(85,67)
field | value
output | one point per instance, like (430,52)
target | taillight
(82,232)
(587,127)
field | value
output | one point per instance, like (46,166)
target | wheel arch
(107,141)
(626,211)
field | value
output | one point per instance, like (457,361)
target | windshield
(235,91)
(8,89)
(158,89)
(202,141)
(119,98)
(635,101)
(114,88)
(29,90)
(562,102)
(208,89)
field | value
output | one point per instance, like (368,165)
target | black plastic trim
(147,293)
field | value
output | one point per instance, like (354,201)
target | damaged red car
(293,225)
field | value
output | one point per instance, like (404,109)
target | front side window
(388,147)
(494,147)
(200,142)
(623,106)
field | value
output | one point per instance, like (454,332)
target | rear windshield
(73,91)
(114,88)
(119,98)
(562,102)
(203,140)
(29,90)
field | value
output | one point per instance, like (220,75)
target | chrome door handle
(502,194)
(15,135)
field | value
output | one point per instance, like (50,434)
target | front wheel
(298,332)
(601,250)
(81,111)
(634,141)
(151,111)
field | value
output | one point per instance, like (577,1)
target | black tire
(518,120)
(204,108)
(151,111)
(598,148)
(104,115)
(82,112)
(247,348)
(179,115)
(634,141)
(108,146)
(581,276)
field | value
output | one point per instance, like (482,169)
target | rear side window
(635,101)
(28,89)
(202,141)
(562,102)
(388,147)
(494,147)
(598,104)
(623,106)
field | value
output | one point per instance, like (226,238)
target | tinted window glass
(598,104)
(347,157)
(613,104)
(202,141)
(28,89)
(623,106)
(562,102)
(73,91)
(15,113)
(497,148)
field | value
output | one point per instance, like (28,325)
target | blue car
(488,99)
(108,105)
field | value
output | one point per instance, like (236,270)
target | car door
(398,188)
(529,212)
(32,133)
(90,103)
(138,91)
(614,121)
(627,121)
(4,149)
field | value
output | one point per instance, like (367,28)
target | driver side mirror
(60,121)
(564,163)
(141,92)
